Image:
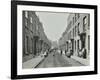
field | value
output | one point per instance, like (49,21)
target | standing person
(48,52)
(53,52)
(61,52)
(85,53)
(65,51)
(45,53)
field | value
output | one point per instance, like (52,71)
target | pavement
(72,61)
(74,58)
(81,60)
(32,63)
(28,57)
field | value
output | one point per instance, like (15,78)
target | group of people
(81,53)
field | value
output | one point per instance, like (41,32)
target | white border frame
(21,71)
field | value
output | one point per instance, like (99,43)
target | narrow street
(56,60)
(55,39)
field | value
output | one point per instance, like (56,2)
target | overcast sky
(54,24)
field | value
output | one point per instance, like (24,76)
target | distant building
(76,37)
(54,44)
(34,38)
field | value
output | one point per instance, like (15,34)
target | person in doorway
(85,53)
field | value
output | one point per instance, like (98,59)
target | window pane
(88,21)
(88,42)
(26,14)
(84,23)
(31,19)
